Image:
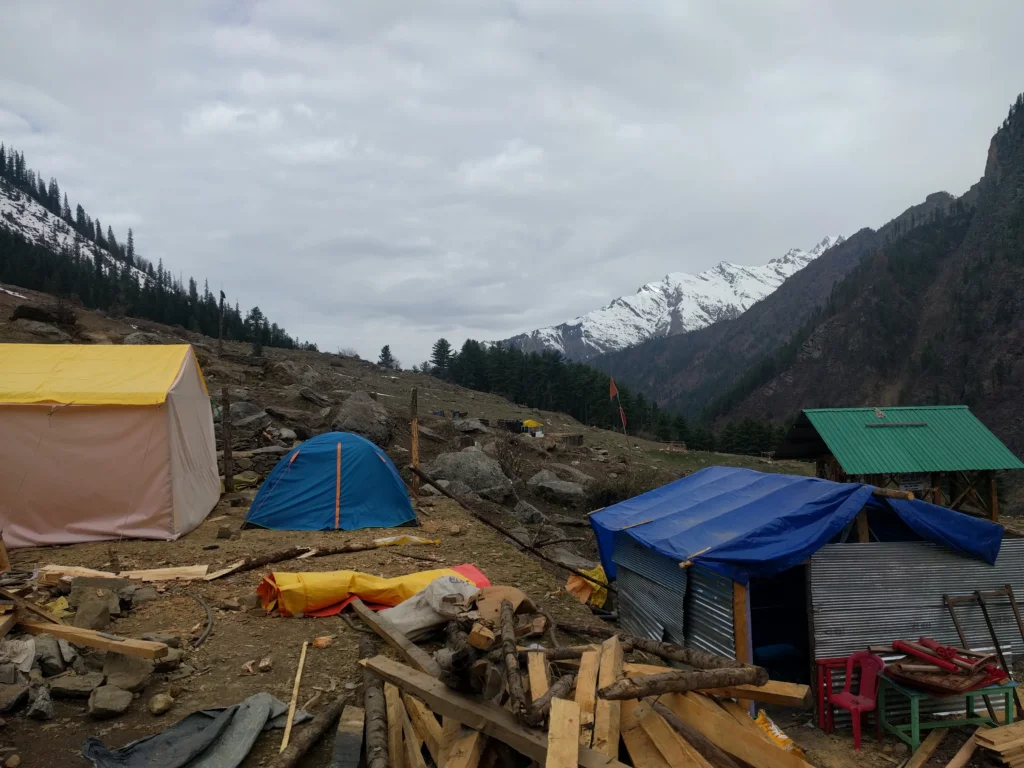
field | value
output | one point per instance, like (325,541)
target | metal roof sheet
(934,438)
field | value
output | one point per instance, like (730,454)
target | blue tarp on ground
(336,481)
(741,524)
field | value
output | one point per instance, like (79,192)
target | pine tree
(386,359)
(130,252)
(66,210)
(254,323)
(111,240)
(441,355)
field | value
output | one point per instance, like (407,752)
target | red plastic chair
(866,697)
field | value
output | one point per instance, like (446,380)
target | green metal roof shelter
(918,447)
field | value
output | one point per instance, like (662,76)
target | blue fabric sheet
(302,491)
(742,524)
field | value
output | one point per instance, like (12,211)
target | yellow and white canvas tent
(103,442)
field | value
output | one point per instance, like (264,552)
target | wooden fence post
(225,431)
(414,441)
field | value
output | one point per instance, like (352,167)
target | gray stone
(12,696)
(471,448)
(545,475)
(35,676)
(229,605)
(128,673)
(48,655)
(181,673)
(171,661)
(141,337)
(430,490)
(144,595)
(251,600)
(76,686)
(43,330)
(256,421)
(108,701)
(565,557)
(170,639)
(364,416)
(81,594)
(160,704)
(314,397)
(40,705)
(67,653)
(568,472)
(470,426)
(80,666)
(477,470)
(224,531)
(243,410)
(9,674)
(287,435)
(527,513)
(288,415)
(560,491)
(93,614)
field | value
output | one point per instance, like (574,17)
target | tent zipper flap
(337,491)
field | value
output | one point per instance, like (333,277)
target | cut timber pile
(1007,742)
(482,697)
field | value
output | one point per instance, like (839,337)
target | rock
(9,674)
(430,434)
(455,487)
(160,704)
(79,666)
(48,655)
(108,701)
(561,491)
(67,653)
(527,513)
(901,750)
(471,448)
(545,475)
(567,472)
(12,696)
(181,673)
(80,593)
(93,614)
(40,705)
(470,426)
(224,532)
(32,312)
(287,435)
(251,600)
(242,463)
(144,595)
(314,397)
(171,661)
(287,369)
(128,673)
(12,762)
(175,691)
(477,470)
(243,410)
(256,421)
(229,605)
(364,416)
(571,559)
(141,337)
(170,639)
(266,664)
(43,330)
(35,677)
(76,686)
(430,490)
(288,415)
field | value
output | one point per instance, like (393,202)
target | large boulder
(560,492)
(544,476)
(567,472)
(93,613)
(43,330)
(527,513)
(32,312)
(363,415)
(470,426)
(141,337)
(476,469)
(242,410)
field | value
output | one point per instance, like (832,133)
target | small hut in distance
(941,453)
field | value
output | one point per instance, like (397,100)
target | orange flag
(613,391)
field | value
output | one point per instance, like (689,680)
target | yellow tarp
(85,374)
(302,593)
(531,424)
(586,591)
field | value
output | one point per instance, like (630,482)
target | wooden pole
(310,735)
(225,431)
(375,709)
(863,532)
(681,681)
(741,627)
(414,441)
(993,497)
(295,698)
(511,657)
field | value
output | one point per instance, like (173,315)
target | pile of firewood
(485,699)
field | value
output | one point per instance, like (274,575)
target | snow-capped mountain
(679,303)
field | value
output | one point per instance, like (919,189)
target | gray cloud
(374,173)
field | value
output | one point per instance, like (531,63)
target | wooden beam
(993,497)
(728,735)
(537,671)
(586,690)
(741,627)
(5,561)
(144,649)
(928,746)
(642,751)
(414,441)
(563,735)
(772,692)
(295,697)
(7,623)
(413,742)
(863,532)
(671,745)
(742,716)
(225,433)
(608,713)
(892,493)
(467,750)
(425,723)
(407,649)
(451,731)
(966,752)
(348,741)
(486,717)
(396,740)
(26,606)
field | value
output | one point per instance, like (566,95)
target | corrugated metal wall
(872,594)
(709,624)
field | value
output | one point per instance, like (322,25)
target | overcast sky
(373,172)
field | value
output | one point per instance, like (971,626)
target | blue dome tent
(336,481)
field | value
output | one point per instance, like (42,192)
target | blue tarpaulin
(742,524)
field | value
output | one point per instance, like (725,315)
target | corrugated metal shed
(709,620)
(897,440)
(652,591)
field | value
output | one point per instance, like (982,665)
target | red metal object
(920,652)
(866,697)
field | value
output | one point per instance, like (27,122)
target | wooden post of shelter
(993,497)
(741,627)
(414,441)
(225,431)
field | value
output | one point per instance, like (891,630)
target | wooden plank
(225,571)
(396,741)
(467,750)
(563,735)
(182,573)
(728,735)
(295,697)
(741,627)
(451,731)
(742,716)
(488,718)
(608,713)
(1002,734)
(863,532)
(348,741)
(773,692)
(7,624)
(928,746)
(586,689)
(26,606)
(144,649)
(408,650)
(425,723)
(966,752)
(5,561)
(671,745)
(481,637)
(537,670)
(413,743)
(642,751)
